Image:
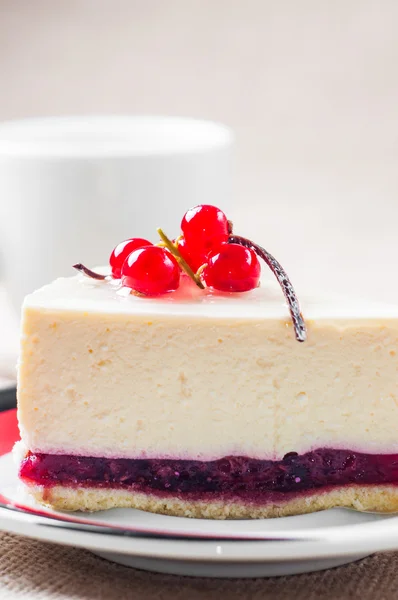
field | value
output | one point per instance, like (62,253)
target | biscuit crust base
(373,498)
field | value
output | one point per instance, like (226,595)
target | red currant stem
(300,329)
(201,269)
(183,264)
(88,272)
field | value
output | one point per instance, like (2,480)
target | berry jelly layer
(255,480)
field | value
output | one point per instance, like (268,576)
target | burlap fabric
(36,570)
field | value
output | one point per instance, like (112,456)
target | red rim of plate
(9,432)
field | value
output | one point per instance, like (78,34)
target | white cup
(71,188)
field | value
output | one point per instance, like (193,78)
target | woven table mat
(37,570)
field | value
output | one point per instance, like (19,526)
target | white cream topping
(202,375)
(267,301)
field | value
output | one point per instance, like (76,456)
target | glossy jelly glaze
(243,477)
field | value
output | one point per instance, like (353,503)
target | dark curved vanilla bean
(300,329)
(88,272)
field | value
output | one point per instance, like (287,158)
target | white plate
(201,547)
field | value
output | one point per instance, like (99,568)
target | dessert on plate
(171,381)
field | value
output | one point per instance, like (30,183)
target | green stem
(172,248)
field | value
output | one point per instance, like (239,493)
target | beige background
(310,86)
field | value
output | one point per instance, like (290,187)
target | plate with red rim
(239,548)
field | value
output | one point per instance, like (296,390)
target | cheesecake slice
(203,404)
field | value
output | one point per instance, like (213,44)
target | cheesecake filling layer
(233,476)
(203,375)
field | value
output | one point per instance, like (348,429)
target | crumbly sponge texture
(375,498)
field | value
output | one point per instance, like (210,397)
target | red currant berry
(205,227)
(121,252)
(191,254)
(151,271)
(233,268)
